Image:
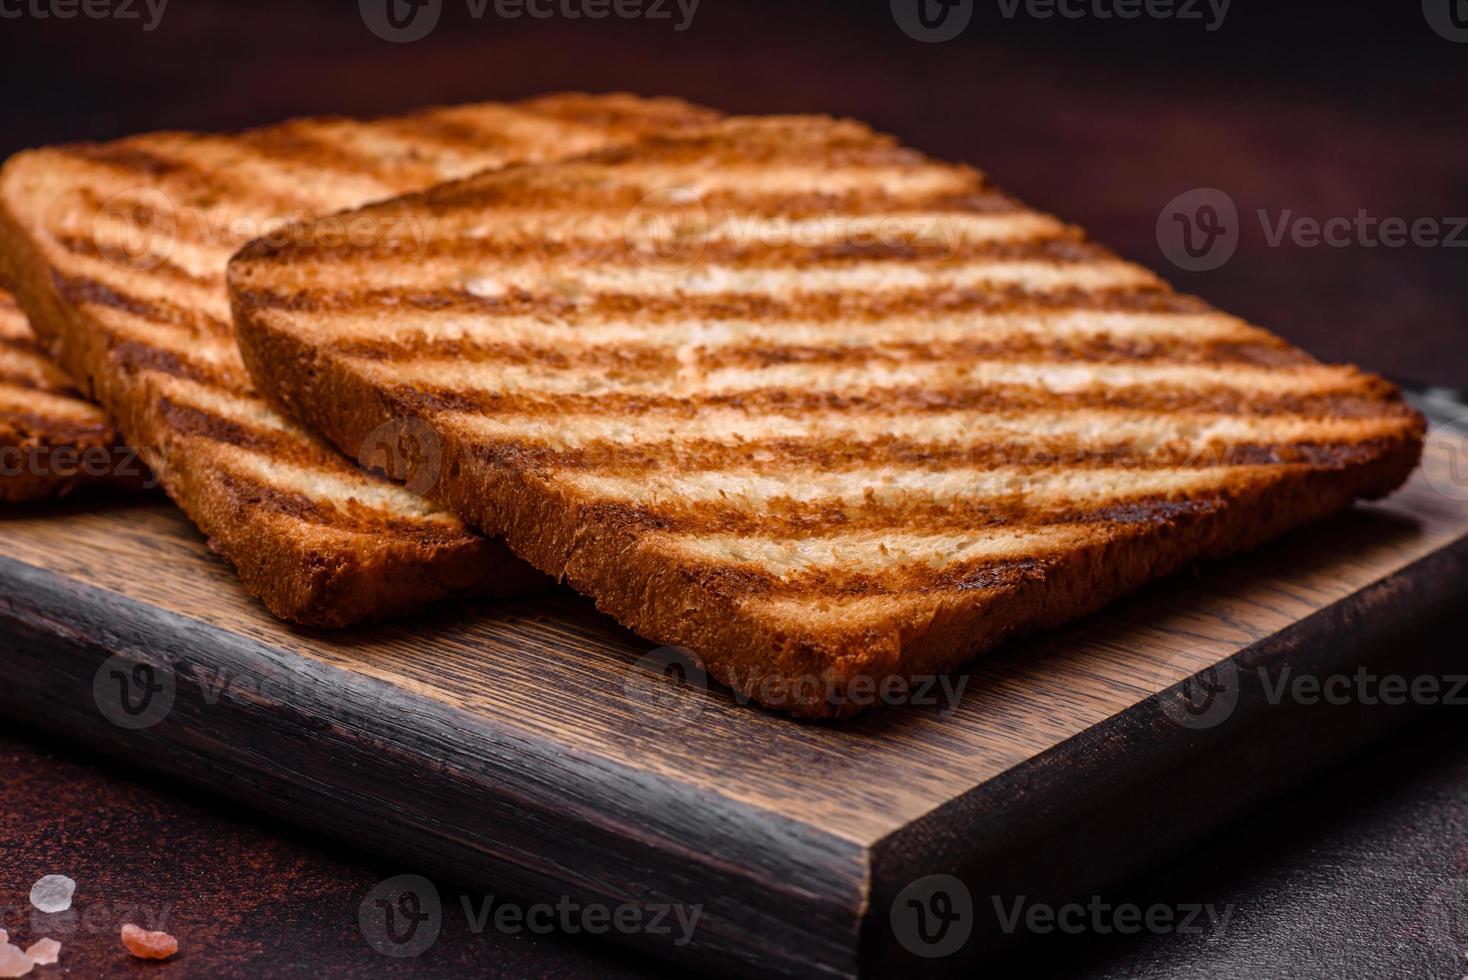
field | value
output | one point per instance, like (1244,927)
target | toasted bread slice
(118,250)
(808,403)
(51,441)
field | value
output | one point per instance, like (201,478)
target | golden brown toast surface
(51,440)
(118,251)
(800,399)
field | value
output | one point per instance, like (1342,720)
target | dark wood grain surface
(525,745)
(1323,114)
(1324,881)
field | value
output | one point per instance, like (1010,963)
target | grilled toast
(51,441)
(118,251)
(822,410)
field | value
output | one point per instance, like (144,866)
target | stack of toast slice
(51,440)
(117,252)
(798,398)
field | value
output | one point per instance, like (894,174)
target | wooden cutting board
(537,750)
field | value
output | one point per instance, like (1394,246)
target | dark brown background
(1321,109)
(1324,111)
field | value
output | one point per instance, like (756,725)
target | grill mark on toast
(747,581)
(184,180)
(863,273)
(134,353)
(584,233)
(190,421)
(1098,350)
(374,337)
(12,377)
(137,358)
(840,576)
(780,457)
(134,160)
(845,146)
(680,436)
(807,306)
(693,482)
(205,222)
(25,348)
(133,264)
(795,179)
(527,191)
(1097,384)
(279,445)
(84,290)
(787,519)
(1062,247)
(297,146)
(762,352)
(251,493)
(449,133)
(622,112)
(429,400)
(53,428)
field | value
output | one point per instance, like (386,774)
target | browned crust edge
(331,579)
(72,456)
(669,604)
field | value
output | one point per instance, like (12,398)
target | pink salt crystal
(44,952)
(148,945)
(14,963)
